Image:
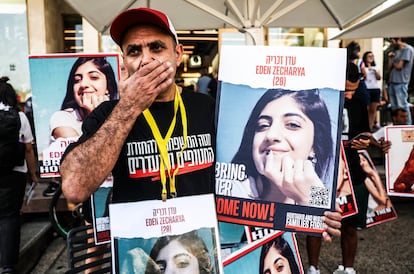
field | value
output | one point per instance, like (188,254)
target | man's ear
(179,51)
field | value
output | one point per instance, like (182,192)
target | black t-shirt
(355,112)
(136,173)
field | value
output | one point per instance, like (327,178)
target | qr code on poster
(319,196)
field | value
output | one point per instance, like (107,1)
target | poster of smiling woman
(276,253)
(279,117)
(66,88)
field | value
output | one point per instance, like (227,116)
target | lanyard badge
(162,142)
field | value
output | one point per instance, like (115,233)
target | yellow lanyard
(163,142)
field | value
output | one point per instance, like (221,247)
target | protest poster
(257,257)
(380,208)
(254,233)
(378,213)
(345,191)
(64,87)
(100,201)
(251,187)
(399,161)
(60,101)
(232,238)
(144,235)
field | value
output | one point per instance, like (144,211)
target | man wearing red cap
(154,126)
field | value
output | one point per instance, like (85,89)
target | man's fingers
(152,76)
(332,218)
(326,237)
(332,221)
(338,209)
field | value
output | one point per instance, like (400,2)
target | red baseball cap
(132,17)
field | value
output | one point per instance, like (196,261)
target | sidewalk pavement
(385,248)
(54,260)
(40,247)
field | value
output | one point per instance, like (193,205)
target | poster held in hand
(345,190)
(281,91)
(252,257)
(62,102)
(144,234)
(55,103)
(380,208)
(100,201)
(399,161)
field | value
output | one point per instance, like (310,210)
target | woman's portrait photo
(90,82)
(79,84)
(276,256)
(380,208)
(276,253)
(287,148)
(188,253)
(345,196)
(373,181)
(185,253)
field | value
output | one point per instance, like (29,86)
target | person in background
(356,116)
(355,119)
(399,116)
(354,56)
(400,64)
(203,83)
(13,185)
(28,110)
(373,75)
(213,85)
